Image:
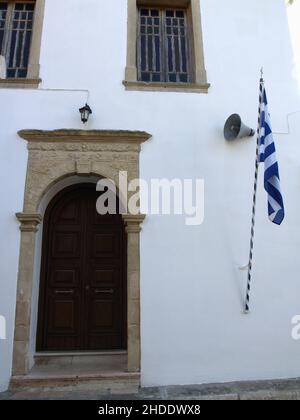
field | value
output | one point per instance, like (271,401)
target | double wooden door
(82,303)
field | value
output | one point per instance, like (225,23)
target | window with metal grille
(16,23)
(163,51)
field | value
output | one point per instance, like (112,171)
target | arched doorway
(82,303)
(53,157)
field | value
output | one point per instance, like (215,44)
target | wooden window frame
(199,82)
(32,80)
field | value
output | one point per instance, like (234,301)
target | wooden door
(83,279)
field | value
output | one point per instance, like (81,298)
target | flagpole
(250,265)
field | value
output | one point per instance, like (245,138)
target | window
(16,25)
(21,24)
(163,46)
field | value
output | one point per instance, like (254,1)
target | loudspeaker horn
(236,129)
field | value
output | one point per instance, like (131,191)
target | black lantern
(85,113)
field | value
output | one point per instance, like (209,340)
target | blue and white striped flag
(267,154)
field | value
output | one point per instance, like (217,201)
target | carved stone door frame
(53,156)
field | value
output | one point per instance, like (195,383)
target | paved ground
(264,390)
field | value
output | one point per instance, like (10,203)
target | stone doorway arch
(53,156)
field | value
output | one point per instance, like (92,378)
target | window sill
(19,83)
(167,87)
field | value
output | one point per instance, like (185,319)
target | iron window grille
(16,25)
(163,50)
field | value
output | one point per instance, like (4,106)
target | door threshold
(102,361)
(79,353)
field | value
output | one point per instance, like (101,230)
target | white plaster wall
(192,327)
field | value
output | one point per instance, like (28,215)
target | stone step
(104,383)
(103,372)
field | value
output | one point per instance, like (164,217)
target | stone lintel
(88,136)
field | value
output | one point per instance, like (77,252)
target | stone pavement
(261,390)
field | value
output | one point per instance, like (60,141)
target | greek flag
(267,154)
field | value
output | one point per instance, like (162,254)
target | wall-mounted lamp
(236,129)
(85,113)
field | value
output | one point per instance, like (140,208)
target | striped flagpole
(247,301)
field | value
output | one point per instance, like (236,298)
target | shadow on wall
(293,12)
(2,328)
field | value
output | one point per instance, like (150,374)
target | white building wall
(193,330)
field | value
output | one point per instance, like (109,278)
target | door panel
(64,277)
(105,245)
(66,245)
(83,279)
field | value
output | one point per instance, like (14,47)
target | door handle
(107,292)
(64,292)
